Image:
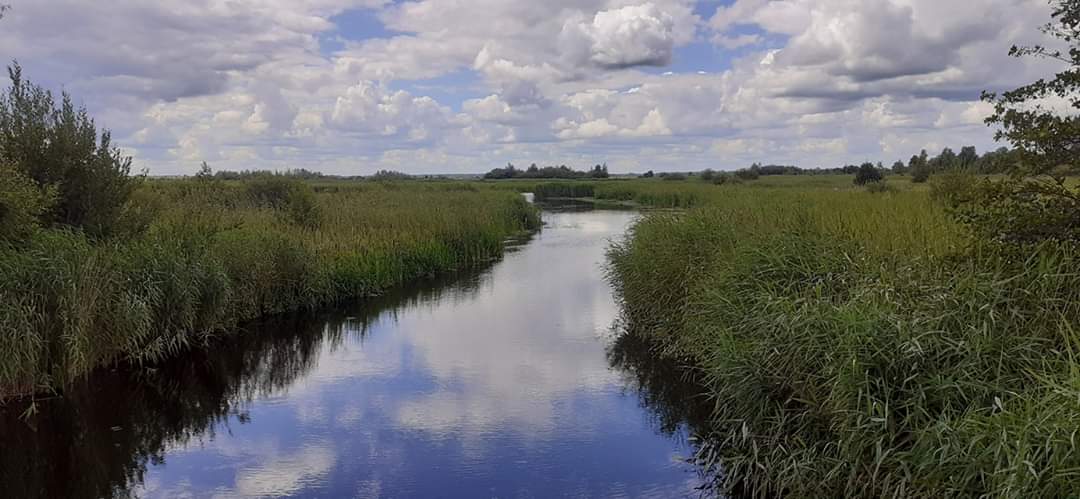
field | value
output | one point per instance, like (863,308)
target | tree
(898,167)
(967,157)
(868,174)
(204,173)
(919,167)
(60,148)
(1046,140)
(1035,203)
(648,174)
(945,161)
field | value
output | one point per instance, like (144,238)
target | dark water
(504,383)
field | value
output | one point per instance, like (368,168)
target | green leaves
(60,150)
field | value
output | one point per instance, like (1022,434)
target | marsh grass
(197,258)
(857,344)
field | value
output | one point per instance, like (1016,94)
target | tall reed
(862,345)
(196,258)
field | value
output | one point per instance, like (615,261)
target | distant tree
(751,173)
(672,176)
(599,171)
(919,167)
(899,168)
(648,174)
(59,148)
(945,161)
(867,174)
(204,173)
(390,175)
(708,174)
(967,157)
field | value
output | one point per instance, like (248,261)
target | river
(506,382)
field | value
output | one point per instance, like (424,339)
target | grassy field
(858,344)
(192,259)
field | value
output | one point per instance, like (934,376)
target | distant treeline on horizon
(920,166)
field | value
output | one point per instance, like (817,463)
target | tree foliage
(534,171)
(58,147)
(1035,203)
(868,174)
(22,203)
(1048,141)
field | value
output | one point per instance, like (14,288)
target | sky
(462,86)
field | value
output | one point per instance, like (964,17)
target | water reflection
(491,384)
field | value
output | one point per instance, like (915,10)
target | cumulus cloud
(452,85)
(369,107)
(633,35)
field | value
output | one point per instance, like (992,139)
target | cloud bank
(449,86)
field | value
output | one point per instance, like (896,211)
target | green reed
(859,344)
(197,258)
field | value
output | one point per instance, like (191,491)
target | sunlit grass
(860,345)
(209,258)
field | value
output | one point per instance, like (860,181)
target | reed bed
(862,345)
(197,258)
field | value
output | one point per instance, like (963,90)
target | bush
(293,198)
(867,174)
(1021,211)
(747,174)
(920,174)
(21,204)
(59,148)
(879,187)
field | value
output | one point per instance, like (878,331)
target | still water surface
(503,383)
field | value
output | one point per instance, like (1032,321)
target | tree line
(534,171)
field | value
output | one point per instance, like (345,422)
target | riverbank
(194,258)
(503,381)
(861,345)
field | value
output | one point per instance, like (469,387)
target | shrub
(747,174)
(1016,210)
(867,174)
(880,187)
(920,173)
(293,198)
(59,148)
(22,203)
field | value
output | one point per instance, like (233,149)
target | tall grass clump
(859,345)
(199,257)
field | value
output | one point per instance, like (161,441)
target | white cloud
(455,85)
(633,35)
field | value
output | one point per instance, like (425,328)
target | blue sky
(456,86)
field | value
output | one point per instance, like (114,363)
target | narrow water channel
(501,383)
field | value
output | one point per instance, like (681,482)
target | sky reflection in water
(496,385)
